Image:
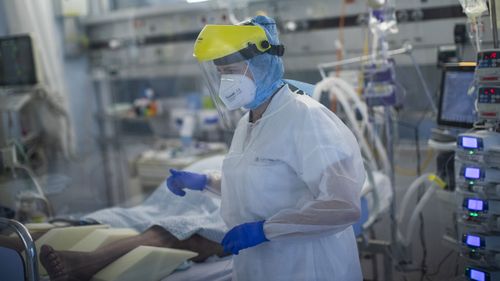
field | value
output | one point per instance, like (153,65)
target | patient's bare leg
(68,265)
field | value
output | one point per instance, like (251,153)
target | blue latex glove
(180,180)
(244,236)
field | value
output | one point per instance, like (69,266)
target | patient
(67,265)
(164,220)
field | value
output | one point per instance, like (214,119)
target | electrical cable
(418,171)
(429,155)
(436,272)
(421,217)
(456,264)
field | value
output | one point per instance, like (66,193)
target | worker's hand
(180,180)
(244,236)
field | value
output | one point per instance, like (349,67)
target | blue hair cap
(266,69)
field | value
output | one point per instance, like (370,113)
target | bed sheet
(215,270)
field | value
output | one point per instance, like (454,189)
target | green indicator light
(474,214)
(471,152)
(471,182)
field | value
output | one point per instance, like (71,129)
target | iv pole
(494,27)
(407,49)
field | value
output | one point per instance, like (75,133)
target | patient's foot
(67,265)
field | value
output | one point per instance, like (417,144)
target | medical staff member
(291,181)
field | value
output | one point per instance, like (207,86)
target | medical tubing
(31,175)
(345,88)
(422,81)
(369,177)
(352,118)
(329,83)
(378,143)
(413,220)
(364,124)
(374,47)
(476,35)
(67,143)
(421,216)
(409,192)
(376,199)
(351,92)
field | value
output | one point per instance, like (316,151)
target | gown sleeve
(330,164)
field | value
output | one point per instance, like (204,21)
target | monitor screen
(473,241)
(469,142)
(17,67)
(477,275)
(475,205)
(456,106)
(472,173)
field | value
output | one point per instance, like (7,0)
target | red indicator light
(492,91)
(493,55)
(489,114)
(492,78)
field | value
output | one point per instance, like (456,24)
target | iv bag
(474,8)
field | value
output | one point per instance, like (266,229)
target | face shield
(224,53)
(231,87)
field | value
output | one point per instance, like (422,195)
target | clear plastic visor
(212,72)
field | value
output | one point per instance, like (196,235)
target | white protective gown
(298,168)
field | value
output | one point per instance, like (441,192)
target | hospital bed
(13,267)
(376,198)
(216,269)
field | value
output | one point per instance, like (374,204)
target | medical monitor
(17,64)
(456,105)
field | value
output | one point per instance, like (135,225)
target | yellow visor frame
(216,42)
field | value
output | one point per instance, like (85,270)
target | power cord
(423,265)
(443,260)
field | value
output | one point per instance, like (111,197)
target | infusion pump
(487,77)
(488,102)
(488,66)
